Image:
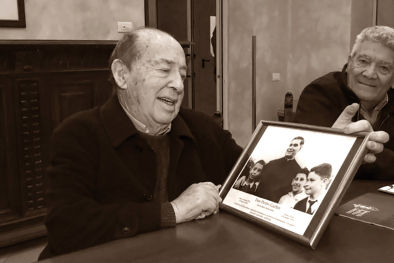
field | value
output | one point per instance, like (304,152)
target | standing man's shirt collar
(142,127)
(374,116)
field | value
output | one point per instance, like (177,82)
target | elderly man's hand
(376,139)
(196,202)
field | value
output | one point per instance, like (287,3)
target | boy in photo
(249,184)
(297,193)
(315,187)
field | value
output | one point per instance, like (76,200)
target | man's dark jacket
(323,100)
(276,178)
(103,173)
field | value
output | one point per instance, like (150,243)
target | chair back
(288,109)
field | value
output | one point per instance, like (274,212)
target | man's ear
(392,82)
(349,58)
(326,181)
(120,73)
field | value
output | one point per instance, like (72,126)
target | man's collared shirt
(316,204)
(372,118)
(142,127)
(290,199)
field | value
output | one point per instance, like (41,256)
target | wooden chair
(287,114)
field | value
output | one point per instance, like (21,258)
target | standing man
(315,187)
(367,79)
(277,174)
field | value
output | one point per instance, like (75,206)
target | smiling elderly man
(140,162)
(366,79)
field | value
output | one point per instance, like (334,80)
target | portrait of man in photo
(278,174)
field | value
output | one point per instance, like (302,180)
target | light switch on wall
(124,27)
(275,76)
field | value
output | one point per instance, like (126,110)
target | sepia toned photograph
(286,174)
(196,130)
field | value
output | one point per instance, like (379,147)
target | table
(228,238)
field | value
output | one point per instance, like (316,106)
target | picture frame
(12,13)
(269,186)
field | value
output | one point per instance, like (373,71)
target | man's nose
(370,71)
(176,82)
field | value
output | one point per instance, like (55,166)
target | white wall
(299,39)
(76,19)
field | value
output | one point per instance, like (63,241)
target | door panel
(204,62)
(173,17)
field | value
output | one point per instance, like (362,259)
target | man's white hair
(381,34)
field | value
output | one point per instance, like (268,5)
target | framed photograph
(291,177)
(12,13)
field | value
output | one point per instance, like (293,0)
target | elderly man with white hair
(365,81)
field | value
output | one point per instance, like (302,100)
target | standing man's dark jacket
(103,174)
(276,178)
(323,100)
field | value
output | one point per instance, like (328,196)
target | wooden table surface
(228,238)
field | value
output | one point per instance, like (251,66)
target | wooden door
(189,20)
(384,13)
(203,62)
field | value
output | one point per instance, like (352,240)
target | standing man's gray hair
(382,34)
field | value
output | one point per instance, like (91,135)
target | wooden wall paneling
(30,140)
(71,93)
(70,96)
(9,190)
(41,84)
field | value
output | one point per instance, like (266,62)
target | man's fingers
(211,208)
(374,147)
(201,216)
(349,111)
(362,125)
(212,190)
(379,136)
(369,158)
(346,116)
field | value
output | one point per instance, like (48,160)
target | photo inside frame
(288,176)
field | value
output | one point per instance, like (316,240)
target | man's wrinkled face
(256,170)
(294,147)
(371,73)
(315,185)
(155,81)
(298,183)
